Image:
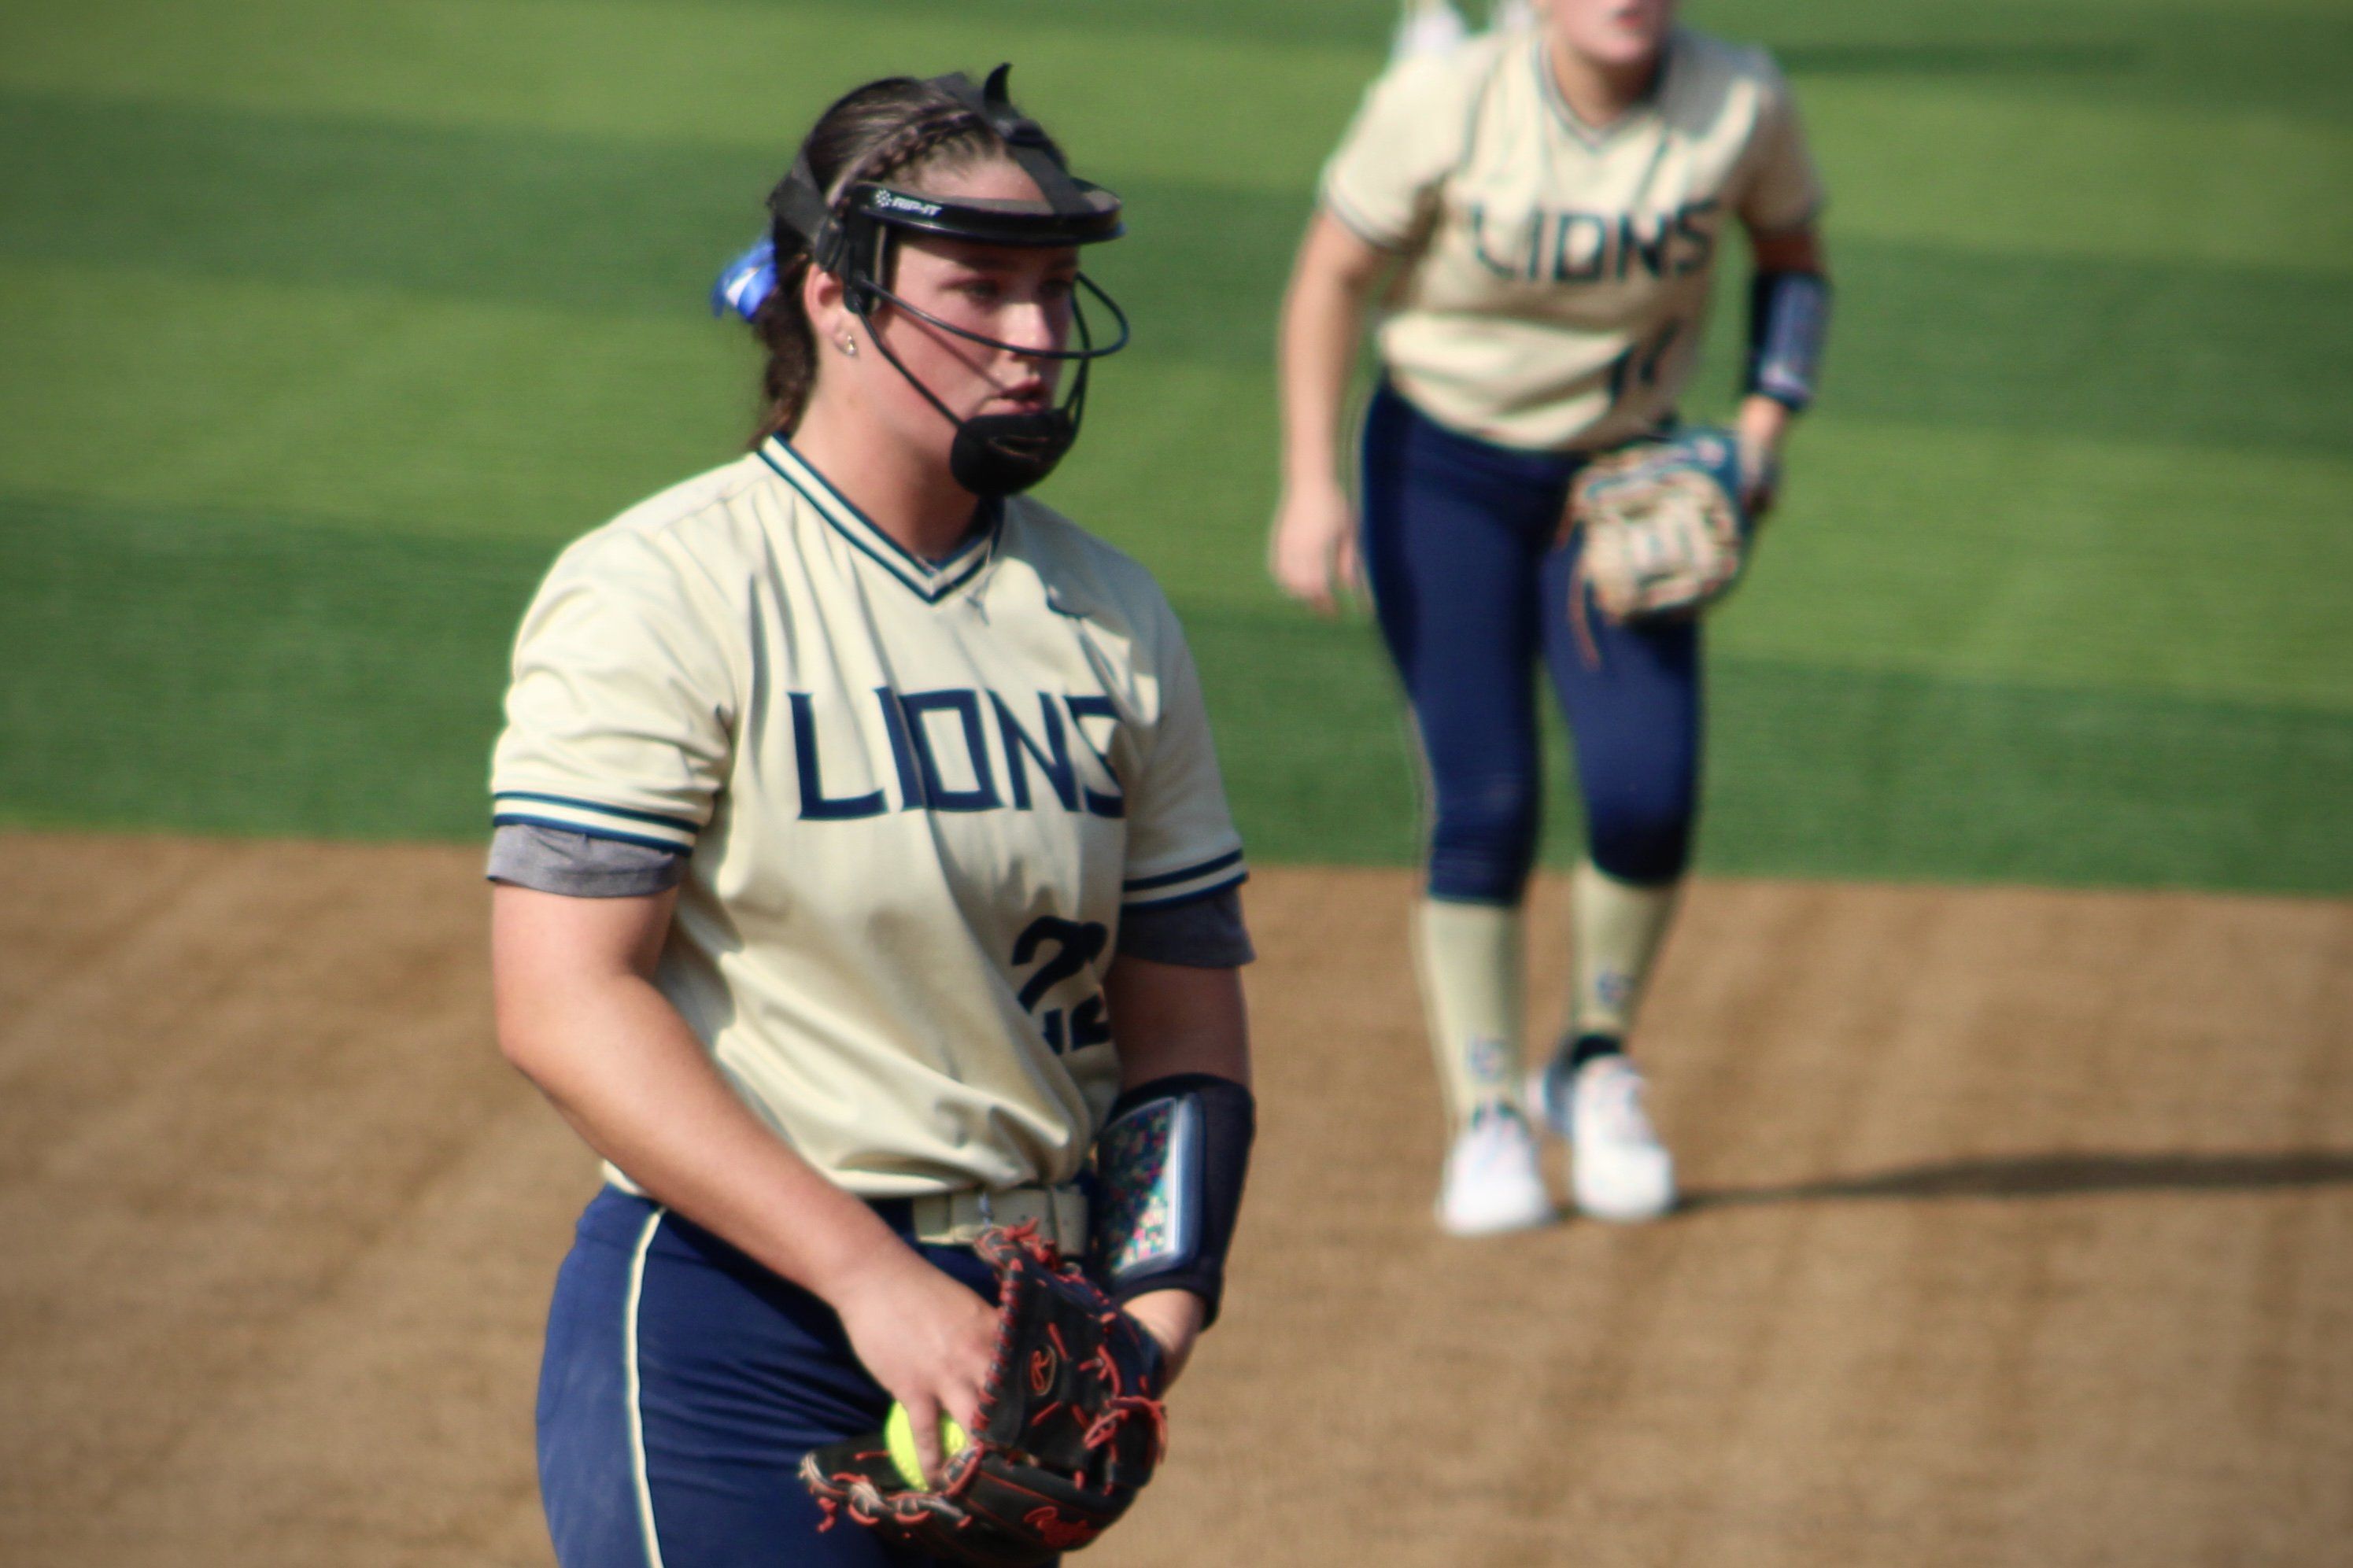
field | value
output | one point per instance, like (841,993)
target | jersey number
(1076,945)
(1636,369)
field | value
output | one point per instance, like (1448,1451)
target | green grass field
(322,324)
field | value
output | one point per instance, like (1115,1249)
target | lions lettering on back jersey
(1558,279)
(917,796)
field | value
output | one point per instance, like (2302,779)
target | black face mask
(1004,454)
(992,454)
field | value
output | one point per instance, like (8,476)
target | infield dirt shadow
(2021,1232)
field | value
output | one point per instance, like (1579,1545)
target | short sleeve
(1181,841)
(1784,187)
(620,712)
(1383,181)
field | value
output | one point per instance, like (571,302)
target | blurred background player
(1429,28)
(1435,26)
(861,856)
(1539,209)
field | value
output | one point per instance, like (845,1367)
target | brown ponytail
(895,126)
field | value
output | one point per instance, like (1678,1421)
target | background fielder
(1549,203)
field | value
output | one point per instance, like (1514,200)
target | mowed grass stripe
(2164,51)
(2049,561)
(1824,772)
(1999,155)
(1819,771)
(2169,50)
(748,77)
(1995,555)
(2051,596)
(379,406)
(226,674)
(2053,175)
(1946,334)
(2285,56)
(1985,556)
(247,675)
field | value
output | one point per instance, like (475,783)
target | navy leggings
(1469,587)
(681,1384)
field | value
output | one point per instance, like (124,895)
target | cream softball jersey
(917,797)
(1557,282)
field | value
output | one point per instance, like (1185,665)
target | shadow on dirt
(2055,1177)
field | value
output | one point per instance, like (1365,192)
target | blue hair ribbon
(746,283)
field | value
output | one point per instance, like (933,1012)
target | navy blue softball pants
(681,1384)
(1470,588)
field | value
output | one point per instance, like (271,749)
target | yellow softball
(899,1436)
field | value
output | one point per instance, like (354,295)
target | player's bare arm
(1169,1019)
(578,1015)
(1313,544)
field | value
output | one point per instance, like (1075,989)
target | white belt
(956,1220)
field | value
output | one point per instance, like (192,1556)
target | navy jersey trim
(1211,891)
(684,824)
(1597,136)
(1166,878)
(516,818)
(931,581)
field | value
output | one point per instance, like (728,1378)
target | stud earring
(849,345)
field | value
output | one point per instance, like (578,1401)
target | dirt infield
(2021,1232)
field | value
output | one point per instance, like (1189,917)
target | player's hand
(927,1339)
(1760,481)
(1173,1318)
(1313,546)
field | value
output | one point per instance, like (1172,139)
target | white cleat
(1617,1169)
(1494,1177)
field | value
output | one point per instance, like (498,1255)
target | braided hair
(897,126)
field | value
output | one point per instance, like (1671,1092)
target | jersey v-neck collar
(931,581)
(1638,112)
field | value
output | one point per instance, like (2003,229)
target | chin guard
(993,454)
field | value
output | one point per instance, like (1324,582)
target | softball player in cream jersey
(861,853)
(1548,204)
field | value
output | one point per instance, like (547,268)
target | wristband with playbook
(1169,1165)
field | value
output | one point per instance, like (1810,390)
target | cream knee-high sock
(1617,928)
(1468,956)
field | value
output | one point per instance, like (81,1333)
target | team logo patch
(1061,1534)
(892,201)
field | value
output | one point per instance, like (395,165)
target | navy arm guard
(1169,1165)
(1788,316)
